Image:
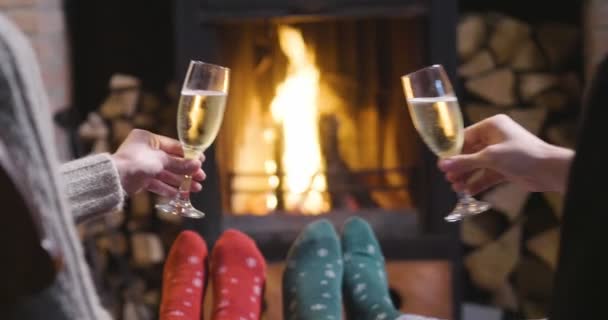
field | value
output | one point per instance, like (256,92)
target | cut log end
(478,64)
(508,34)
(528,57)
(472,32)
(496,87)
(533,84)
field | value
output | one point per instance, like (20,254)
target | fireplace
(316,124)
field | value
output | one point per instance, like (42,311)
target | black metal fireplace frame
(195,36)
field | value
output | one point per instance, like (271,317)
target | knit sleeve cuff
(93,185)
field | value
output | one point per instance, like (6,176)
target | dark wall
(529,10)
(134,37)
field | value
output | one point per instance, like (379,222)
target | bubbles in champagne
(439,123)
(199,117)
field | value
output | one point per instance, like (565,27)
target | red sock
(184,278)
(238,271)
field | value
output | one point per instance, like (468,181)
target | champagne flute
(436,115)
(199,116)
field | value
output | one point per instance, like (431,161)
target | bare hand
(155,163)
(498,149)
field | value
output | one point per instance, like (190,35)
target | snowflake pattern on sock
(314,270)
(365,286)
(183,278)
(238,273)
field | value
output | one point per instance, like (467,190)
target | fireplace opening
(316,127)
(315,120)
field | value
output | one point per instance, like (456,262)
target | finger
(162,189)
(176,180)
(484,182)
(195,187)
(202,157)
(199,175)
(180,165)
(461,164)
(168,145)
(469,148)
(459,187)
(461,177)
(473,138)
(170,178)
(476,136)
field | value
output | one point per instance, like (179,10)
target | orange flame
(295,107)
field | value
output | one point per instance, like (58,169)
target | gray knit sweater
(57,194)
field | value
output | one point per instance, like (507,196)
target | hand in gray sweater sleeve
(93,185)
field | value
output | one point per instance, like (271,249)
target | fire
(295,107)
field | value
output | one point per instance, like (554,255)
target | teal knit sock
(313,277)
(365,288)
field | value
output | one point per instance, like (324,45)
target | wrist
(121,167)
(557,165)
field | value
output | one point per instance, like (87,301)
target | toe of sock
(235,247)
(357,235)
(317,238)
(188,248)
(319,229)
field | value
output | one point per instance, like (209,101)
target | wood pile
(530,72)
(128,247)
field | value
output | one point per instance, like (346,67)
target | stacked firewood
(127,248)
(532,73)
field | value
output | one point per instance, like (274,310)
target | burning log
(339,177)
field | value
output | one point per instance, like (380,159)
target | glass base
(180,208)
(467,207)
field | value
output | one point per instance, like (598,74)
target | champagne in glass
(199,117)
(439,123)
(437,118)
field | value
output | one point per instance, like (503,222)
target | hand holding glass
(436,115)
(199,116)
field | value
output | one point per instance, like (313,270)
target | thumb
(464,163)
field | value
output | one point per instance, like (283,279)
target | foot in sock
(313,275)
(184,278)
(365,288)
(238,272)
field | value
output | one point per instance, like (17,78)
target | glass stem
(184,189)
(465,197)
